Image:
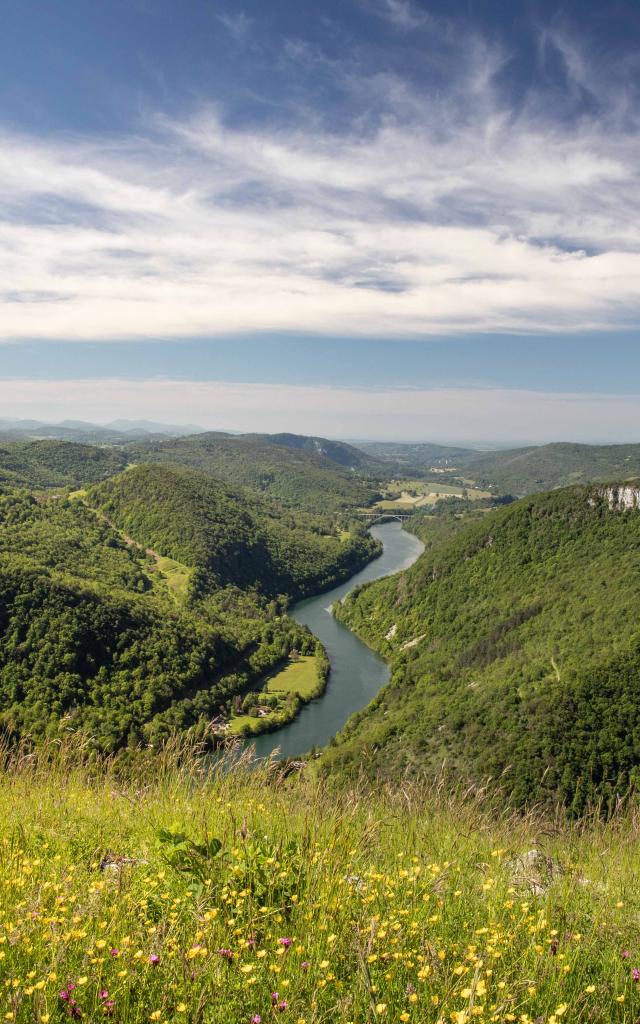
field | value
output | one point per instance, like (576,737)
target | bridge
(374,517)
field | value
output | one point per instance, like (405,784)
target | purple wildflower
(114,952)
(103,994)
(154,959)
(282,1005)
(304,966)
(625,954)
(226,954)
(285,942)
(256,1019)
(635,974)
(65,993)
(274,998)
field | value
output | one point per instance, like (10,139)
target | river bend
(357,672)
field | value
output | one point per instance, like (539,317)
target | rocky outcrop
(412,643)
(619,498)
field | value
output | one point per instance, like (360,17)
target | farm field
(418,493)
(298,677)
(174,574)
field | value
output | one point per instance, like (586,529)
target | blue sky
(368,217)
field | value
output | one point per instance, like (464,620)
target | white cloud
(238,25)
(402,14)
(451,214)
(465,415)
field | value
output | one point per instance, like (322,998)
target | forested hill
(515,649)
(300,477)
(228,537)
(128,634)
(407,458)
(515,471)
(336,451)
(63,464)
(527,470)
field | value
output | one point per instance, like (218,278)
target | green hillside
(63,464)
(228,537)
(343,454)
(407,458)
(516,650)
(526,470)
(516,471)
(101,634)
(300,477)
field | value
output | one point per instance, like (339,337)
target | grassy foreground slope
(301,477)
(515,648)
(239,897)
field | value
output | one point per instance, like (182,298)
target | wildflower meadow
(224,894)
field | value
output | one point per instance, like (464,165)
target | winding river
(357,672)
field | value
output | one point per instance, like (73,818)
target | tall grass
(181,890)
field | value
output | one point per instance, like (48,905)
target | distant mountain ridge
(517,471)
(527,470)
(309,470)
(343,454)
(116,432)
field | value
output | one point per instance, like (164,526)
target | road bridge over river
(383,515)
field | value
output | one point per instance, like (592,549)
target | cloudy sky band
(316,184)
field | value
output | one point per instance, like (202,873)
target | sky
(402,219)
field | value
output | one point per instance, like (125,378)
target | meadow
(406,493)
(169,889)
(298,677)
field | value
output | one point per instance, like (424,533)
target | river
(357,672)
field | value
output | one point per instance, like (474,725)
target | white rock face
(621,498)
(412,643)
(392,632)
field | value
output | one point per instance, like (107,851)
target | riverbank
(300,679)
(357,672)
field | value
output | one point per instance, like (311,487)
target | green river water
(357,672)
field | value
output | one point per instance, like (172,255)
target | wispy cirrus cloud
(434,213)
(402,14)
(238,25)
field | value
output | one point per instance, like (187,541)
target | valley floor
(246,896)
